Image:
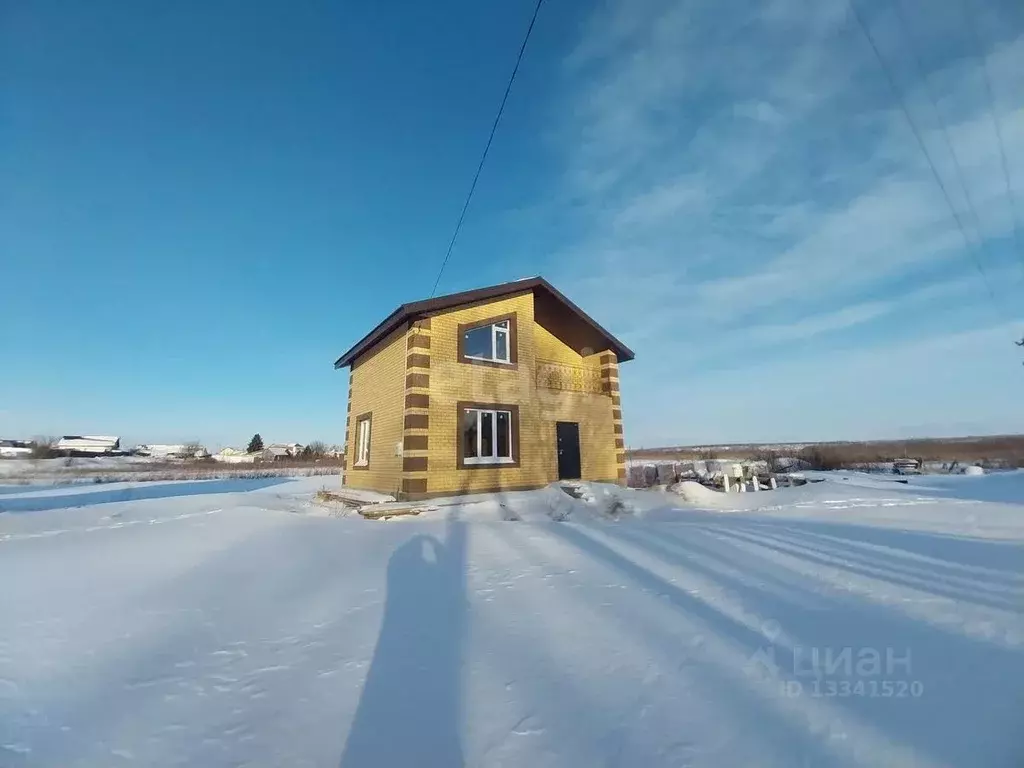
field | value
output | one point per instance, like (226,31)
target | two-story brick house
(509,387)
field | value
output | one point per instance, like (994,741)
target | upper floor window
(492,342)
(488,342)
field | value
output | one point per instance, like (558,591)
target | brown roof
(418,309)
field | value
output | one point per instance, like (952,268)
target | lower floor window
(486,436)
(363,441)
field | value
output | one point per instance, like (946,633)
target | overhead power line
(972,25)
(961,176)
(487,147)
(924,149)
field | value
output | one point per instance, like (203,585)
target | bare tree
(770,457)
(190,449)
(42,447)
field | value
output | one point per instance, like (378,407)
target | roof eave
(411,310)
(622,352)
(360,346)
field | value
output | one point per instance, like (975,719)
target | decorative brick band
(414,464)
(415,444)
(417,421)
(348,417)
(417,400)
(414,485)
(421,380)
(609,375)
(620,443)
(417,360)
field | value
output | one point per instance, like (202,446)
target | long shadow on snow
(960,675)
(138,493)
(941,579)
(789,742)
(786,739)
(410,709)
(1000,487)
(993,554)
(990,586)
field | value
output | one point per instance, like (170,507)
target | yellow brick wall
(550,347)
(377,385)
(452,381)
(593,412)
(597,441)
(539,408)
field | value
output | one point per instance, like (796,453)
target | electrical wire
(961,177)
(987,77)
(487,147)
(924,149)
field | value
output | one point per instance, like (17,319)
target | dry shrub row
(1008,449)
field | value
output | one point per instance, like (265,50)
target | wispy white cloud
(744,174)
(943,384)
(815,325)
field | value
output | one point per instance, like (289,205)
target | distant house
(91,445)
(907,466)
(172,451)
(235,456)
(14,449)
(276,452)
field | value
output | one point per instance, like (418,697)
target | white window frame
(493,458)
(502,327)
(363,445)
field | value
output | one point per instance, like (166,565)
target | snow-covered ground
(30,468)
(852,622)
(23,473)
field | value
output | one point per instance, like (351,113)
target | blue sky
(203,204)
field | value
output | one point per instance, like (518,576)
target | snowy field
(135,469)
(852,622)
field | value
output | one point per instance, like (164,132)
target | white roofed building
(176,451)
(234,456)
(91,444)
(15,448)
